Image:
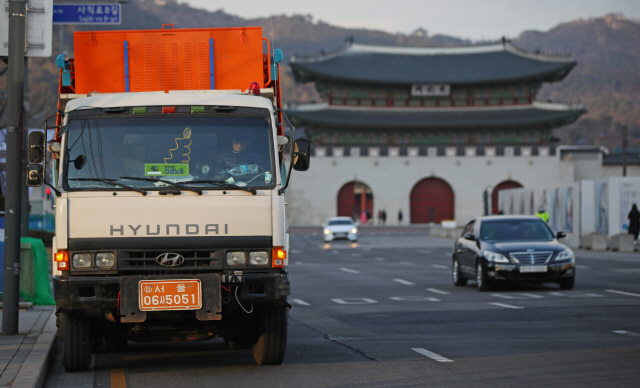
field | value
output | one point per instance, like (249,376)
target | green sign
(162,169)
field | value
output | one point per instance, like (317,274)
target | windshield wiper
(225,184)
(111,182)
(163,181)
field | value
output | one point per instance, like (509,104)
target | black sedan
(512,248)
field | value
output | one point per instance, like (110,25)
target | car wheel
(567,284)
(481,278)
(458,279)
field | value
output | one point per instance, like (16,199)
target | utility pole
(624,149)
(15,97)
(24,208)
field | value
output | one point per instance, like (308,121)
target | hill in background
(606,80)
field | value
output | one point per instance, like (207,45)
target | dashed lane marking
(296,251)
(628,270)
(300,302)
(522,295)
(623,293)
(354,301)
(380,259)
(582,266)
(431,355)
(423,251)
(402,281)
(414,298)
(407,263)
(624,332)
(439,266)
(576,295)
(507,306)
(118,380)
(348,270)
(438,291)
(356,255)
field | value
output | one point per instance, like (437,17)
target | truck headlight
(105,260)
(81,260)
(258,258)
(236,258)
(567,254)
(495,257)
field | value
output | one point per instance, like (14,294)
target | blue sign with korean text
(86,14)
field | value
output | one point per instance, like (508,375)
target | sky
(467,19)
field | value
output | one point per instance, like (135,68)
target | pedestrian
(368,215)
(634,222)
(379,217)
(400,217)
(384,217)
(363,217)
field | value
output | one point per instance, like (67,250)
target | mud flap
(129,297)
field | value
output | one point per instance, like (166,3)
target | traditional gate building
(434,133)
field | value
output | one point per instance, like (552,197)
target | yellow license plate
(164,295)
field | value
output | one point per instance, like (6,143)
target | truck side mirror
(301,154)
(35,175)
(36,147)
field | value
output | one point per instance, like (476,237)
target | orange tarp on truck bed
(169,59)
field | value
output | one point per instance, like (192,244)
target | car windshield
(202,150)
(515,230)
(340,222)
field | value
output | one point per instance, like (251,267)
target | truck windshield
(235,150)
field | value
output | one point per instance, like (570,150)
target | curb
(34,369)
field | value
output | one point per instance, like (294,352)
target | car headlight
(82,260)
(327,231)
(235,258)
(258,258)
(495,257)
(567,254)
(354,230)
(105,260)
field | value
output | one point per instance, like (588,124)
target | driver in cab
(238,160)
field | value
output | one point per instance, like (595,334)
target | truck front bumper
(86,292)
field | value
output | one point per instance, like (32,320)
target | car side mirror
(469,236)
(301,154)
(35,175)
(560,235)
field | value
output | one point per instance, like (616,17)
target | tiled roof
(356,63)
(385,118)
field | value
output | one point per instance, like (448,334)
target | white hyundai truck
(170,211)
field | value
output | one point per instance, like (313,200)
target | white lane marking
(576,295)
(582,266)
(422,251)
(414,298)
(438,291)
(439,266)
(624,332)
(335,252)
(306,264)
(432,355)
(448,254)
(406,263)
(507,306)
(354,301)
(348,270)
(296,251)
(623,293)
(381,259)
(521,295)
(628,270)
(402,281)
(356,255)
(300,302)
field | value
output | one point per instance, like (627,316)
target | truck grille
(143,262)
(535,257)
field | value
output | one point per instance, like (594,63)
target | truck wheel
(76,343)
(272,340)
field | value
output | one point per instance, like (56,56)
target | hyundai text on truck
(169,167)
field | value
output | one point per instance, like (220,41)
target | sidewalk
(25,358)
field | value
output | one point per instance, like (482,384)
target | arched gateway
(432,200)
(353,199)
(504,185)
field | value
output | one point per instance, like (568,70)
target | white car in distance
(340,228)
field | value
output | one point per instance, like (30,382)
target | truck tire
(76,343)
(272,339)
